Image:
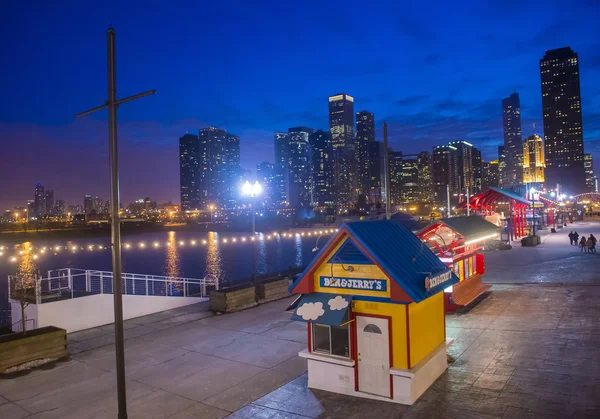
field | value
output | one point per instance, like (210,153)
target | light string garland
(56,249)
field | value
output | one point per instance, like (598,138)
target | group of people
(586,245)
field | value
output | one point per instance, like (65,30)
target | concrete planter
(232,299)
(530,241)
(275,289)
(48,342)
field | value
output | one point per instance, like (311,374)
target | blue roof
(401,254)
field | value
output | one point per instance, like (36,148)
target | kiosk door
(373,355)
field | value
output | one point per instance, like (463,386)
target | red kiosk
(458,241)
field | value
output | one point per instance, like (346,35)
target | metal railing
(67,283)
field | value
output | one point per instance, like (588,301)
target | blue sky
(435,72)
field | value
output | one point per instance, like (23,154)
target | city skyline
(430,103)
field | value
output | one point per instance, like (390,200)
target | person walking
(582,244)
(571,237)
(589,244)
(576,238)
(593,240)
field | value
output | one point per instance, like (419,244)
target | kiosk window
(332,340)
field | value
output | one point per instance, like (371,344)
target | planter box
(227,300)
(276,289)
(46,342)
(530,241)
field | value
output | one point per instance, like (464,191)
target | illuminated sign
(434,281)
(354,283)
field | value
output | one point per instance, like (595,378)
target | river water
(227,256)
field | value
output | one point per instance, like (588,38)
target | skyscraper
(491,174)
(299,167)
(365,136)
(396,181)
(341,124)
(534,162)
(376,171)
(321,174)
(513,147)
(590,181)
(425,186)
(443,172)
(477,165)
(219,167)
(501,166)
(98,205)
(282,161)
(409,177)
(60,208)
(233,174)
(189,160)
(39,201)
(464,167)
(88,204)
(265,175)
(563,134)
(49,202)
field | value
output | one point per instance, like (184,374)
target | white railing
(69,283)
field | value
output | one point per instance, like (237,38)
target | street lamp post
(253,191)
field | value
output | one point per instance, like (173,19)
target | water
(230,261)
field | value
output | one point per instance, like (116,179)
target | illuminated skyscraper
(534,162)
(443,172)
(39,201)
(588,164)
(512,173)
(282,162)
(341,124)
(477,165)
(189,164)
(491,174)
(321,174)
(233,172)
(396,181)
(88,204)
(376,172)
(365,136)
(501,166)
(464,177)
(425,186)
(299,167)
(49,202)
(563,134)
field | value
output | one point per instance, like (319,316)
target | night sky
(435,73)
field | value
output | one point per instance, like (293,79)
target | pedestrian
(576,238)
(571,237)
(594,241)
(589,245)
(582,244)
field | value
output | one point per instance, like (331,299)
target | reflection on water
(172,256)
(262,265)
(27,267)
(298,247)
(214,262)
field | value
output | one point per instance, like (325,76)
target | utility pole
(468,205)
(448,209)
(111,104)
(386,164)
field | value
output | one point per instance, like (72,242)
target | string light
(142,244)
(127,245)
(1,253)
(156,244)
(203,241)
(35,256)
(182,243)
(193,242)
(20,252)
(13,259)
(234,240)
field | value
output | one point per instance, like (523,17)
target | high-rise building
(88,204)
(491,174)
(299,167)
(376,173)
(39,201)
(365,136)
(425,186)
(282,162)
(501,166)
(443,172)
(588,164)
(477,164)
(98,205)
(30,209)
(513,146)
(219,167)
(534,162)
(563,132)
(464,167)
(233,172)
(410,181)
(189,166)
(265,175)
(49,202)
(320,167)
(60,208)
(396,181)
(341,124)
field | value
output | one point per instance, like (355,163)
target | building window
(331,340)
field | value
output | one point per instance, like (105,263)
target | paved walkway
(525,351)
(555,260)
